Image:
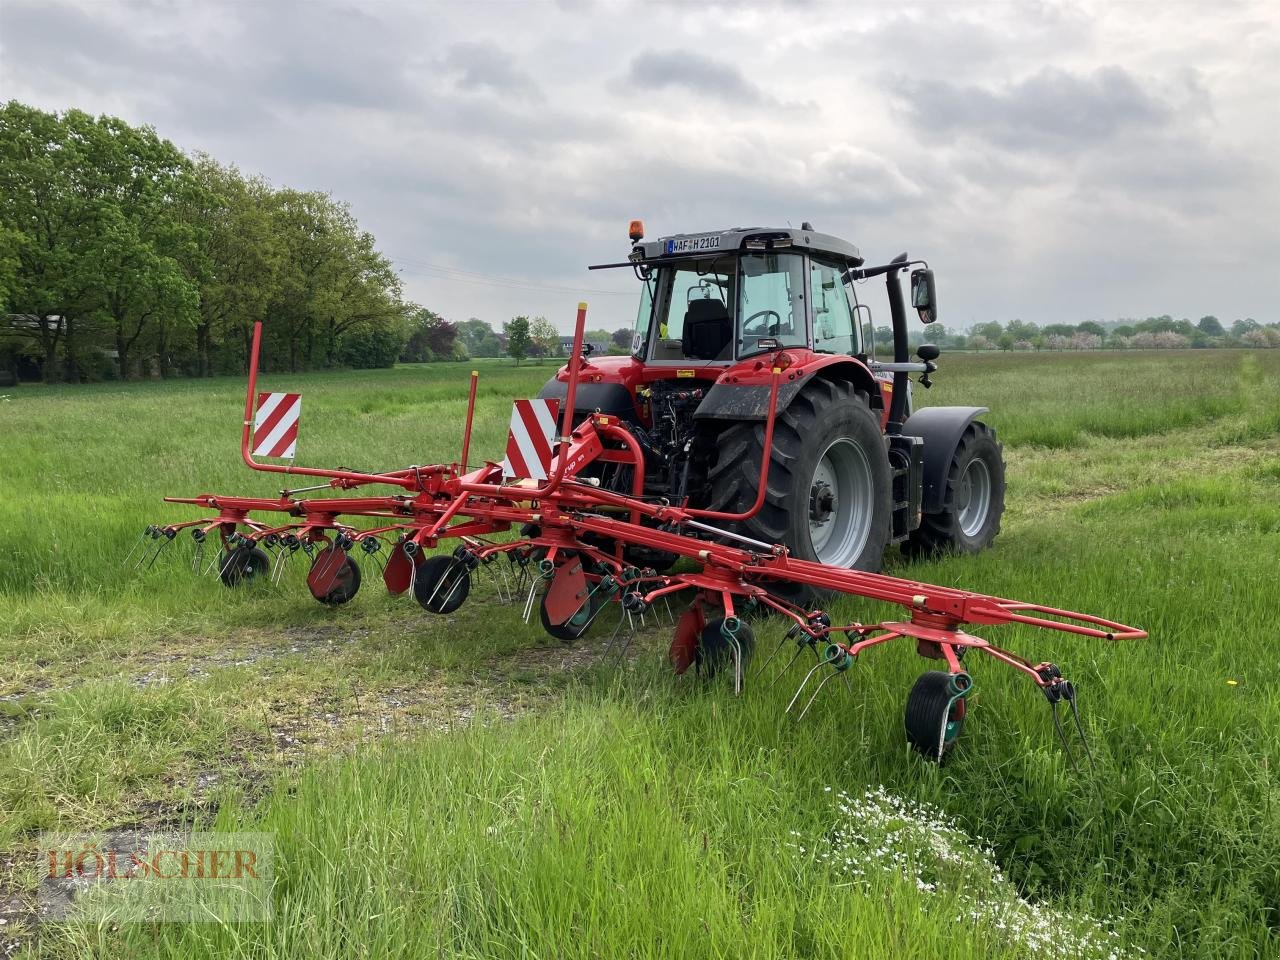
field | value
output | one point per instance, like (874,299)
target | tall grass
(645,816)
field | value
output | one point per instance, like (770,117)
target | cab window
(694,314)
(771,310)
(644,319)
(833,328)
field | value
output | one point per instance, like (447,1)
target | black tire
(442,584)
(822,413)
(714,651)
(576,626)
(935,715)
(243,565)
(345,586)
(976,470)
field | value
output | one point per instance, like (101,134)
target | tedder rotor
(681,473)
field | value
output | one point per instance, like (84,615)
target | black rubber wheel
(935,713)
(973,501)
(714,652)
(345,586)
(576,626)
(830,493)
(243,564)
(441,584)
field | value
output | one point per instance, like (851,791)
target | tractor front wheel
(972,501)
(829,486)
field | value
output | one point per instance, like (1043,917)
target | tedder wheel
(972,502)
(715,652)
(441,584)
(575,626)
(935,712)
(243,564)
(830,485)
(345,584)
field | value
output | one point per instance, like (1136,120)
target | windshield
(693,311)
(719,308)
(771,313)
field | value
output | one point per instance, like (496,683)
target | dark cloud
(694,73)
(1051,108)
(485,67)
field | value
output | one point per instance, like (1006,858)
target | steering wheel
(770,329)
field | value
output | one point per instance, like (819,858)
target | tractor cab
(717,298)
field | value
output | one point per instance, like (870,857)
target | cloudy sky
(1054,161)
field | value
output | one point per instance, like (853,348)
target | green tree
(243,257)
(1092,327)
(544,338)
(1242,327)
(1022,330)
(143,239)
(478,338)
(50,194)
(431,337)
(991,330)
(518,339)
(1210,326)
(10,241)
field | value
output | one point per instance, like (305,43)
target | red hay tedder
(750,455)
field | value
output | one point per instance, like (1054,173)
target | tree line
(121,256)
(1151,333)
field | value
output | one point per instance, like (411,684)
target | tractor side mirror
(924,295)
(928,352)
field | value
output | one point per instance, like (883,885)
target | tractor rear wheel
(972,502)
(829,486)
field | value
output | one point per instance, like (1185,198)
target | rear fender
(745,396)
(941,429)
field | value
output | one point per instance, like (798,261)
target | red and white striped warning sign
(533,425)
(275,427)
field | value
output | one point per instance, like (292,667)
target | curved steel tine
(528,603)
(136,544)
(736,648)
(283,562)
(197,557)
(614,636)
(1084,740)
(769,659)
(164,542)
(453,587)
(790,663)
(803,683)
(818,690)
(226,562)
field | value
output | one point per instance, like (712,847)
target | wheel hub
(822,502)
(841,503)
(973,497)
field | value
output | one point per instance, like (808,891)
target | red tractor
(852,469)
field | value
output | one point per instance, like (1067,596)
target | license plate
(710,241)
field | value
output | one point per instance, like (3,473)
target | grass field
(464,786)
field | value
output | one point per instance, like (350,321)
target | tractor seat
(708,329)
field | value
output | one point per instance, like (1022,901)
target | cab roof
(682,246)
